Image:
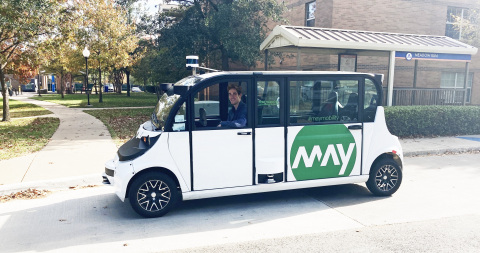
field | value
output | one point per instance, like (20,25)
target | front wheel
(153,195)
(385,178)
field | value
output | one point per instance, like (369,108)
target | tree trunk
(62,84)
(225,66)
(128,82)
(69,79)
(100,97)
(95,85)
(118,77)
(6,107)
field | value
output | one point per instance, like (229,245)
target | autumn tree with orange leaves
(24,25)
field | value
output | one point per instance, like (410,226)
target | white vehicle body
(285,144)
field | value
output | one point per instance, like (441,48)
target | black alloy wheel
(153,194)
(385,178)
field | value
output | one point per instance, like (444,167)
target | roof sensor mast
(192,62)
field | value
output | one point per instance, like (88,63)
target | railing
(424,96)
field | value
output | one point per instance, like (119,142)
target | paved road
(436,209)
(453,234)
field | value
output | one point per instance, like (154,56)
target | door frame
(223,99)
(280,79)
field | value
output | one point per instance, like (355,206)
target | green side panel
(322,144)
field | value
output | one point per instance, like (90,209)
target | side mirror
(166,86)
(180,90)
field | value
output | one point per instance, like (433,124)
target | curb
(53,184)
(440,151)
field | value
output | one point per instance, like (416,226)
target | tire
(153,194)
(385,178)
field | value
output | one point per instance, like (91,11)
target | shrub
(429,121)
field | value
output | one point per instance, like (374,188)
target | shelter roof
(288,38)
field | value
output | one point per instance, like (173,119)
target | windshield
(166,102)
(162,110)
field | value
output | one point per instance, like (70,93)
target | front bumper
(118,174)
(109,174)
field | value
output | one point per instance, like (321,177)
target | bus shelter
(348,44)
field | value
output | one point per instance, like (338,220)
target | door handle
(244,133)
(355,127)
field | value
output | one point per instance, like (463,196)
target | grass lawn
(20,109)
(109,100)
(24,136)
(122,123)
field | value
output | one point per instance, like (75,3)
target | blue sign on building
(433,56)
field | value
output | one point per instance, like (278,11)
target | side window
(370,102)
(180,120)
(207,107)
(268,103)
(310,13)
(221,105)
(327,100)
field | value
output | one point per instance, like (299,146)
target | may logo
(323,152)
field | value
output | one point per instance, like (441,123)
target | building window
(452,13)
(310,13)
(455,80)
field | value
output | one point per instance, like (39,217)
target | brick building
(427,17)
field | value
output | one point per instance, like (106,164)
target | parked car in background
(136,89)
(108,87)
(29,87)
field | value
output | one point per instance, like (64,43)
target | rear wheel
(385,178)
(153,194)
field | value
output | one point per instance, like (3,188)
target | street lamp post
(86,54)
(39,84)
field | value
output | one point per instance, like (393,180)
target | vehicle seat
(316,98)
(259,112)
(351,108)
(203,117)
(331,106)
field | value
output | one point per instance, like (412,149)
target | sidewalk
(76,153)
(78,150)
(440,145)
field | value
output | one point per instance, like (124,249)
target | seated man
(237,116)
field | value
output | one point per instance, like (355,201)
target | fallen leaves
(77,187)
(30,193)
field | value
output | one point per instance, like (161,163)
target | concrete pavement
(78,150)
